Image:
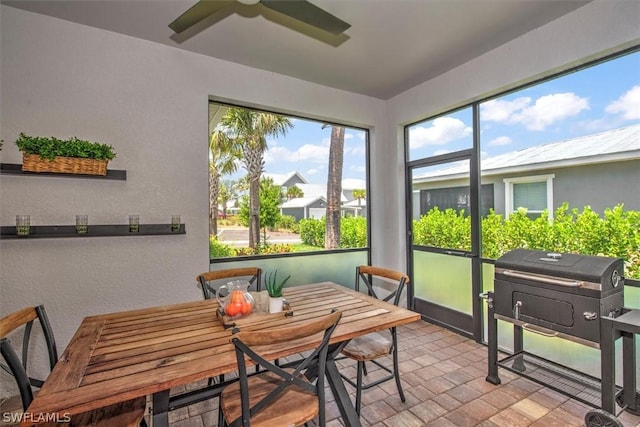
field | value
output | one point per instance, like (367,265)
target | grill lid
(588,268)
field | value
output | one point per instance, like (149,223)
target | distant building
(602,168)
(313,203)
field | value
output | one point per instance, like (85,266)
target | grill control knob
(590,315)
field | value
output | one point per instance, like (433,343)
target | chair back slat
(365,274)
(16,319)
(254,275)
(279,335)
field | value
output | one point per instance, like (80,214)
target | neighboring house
(355,208)
(305,207)
(544,177)
(313,203)
(286,180)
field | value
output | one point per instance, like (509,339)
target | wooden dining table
(119,356)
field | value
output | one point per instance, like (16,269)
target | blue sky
(305,149)
(602,97)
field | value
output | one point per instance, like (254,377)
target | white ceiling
(392,45)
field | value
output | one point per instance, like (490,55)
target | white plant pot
(275,304)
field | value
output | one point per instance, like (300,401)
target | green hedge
(222,250)
(353,232)
(615,234)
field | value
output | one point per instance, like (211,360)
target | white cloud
(546,110)
(353,184)
(499,141)
(502,111)
(442,131)
(441,152)
(628,105)
(305,153)
(357,149)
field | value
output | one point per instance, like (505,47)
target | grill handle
(545,279)
(540,331)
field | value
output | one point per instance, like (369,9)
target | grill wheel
(600,418)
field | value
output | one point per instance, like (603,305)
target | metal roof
(612,145)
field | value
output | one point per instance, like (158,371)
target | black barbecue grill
(575,297)
(566,294)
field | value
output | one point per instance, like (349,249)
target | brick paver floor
(443,376)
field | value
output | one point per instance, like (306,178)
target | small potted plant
(42,154)
(274,289)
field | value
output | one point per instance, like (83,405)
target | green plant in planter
(50,147)
(274,288)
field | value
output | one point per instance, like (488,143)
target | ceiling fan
(300,10)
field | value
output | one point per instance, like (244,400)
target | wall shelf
(57,231)
(16,169)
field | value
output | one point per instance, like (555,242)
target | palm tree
(360,195)
(249,129)
(334,188)
(223,156)
(294,192)
(228,191)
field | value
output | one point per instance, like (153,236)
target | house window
(534,193)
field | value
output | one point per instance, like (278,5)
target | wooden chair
(373,346)
(278,396)
(125,414)
(253,274)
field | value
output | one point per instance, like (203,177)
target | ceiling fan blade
(196,13)
(308,13)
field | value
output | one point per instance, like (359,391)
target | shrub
(353,232)
(312,232)
(220,250)
(286,222)
(615,234)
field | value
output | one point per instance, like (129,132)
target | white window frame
(508,191)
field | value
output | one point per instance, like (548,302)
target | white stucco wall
(150,102)
(593,31)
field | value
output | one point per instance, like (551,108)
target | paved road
(239,236)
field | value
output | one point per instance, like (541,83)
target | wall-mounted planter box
(16,169)
(94,230)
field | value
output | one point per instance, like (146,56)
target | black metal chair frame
(17,367)
(314,364)
(210,293)
(394,373)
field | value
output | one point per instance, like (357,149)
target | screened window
(282,184)
(456,198)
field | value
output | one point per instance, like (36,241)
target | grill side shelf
(572,383)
